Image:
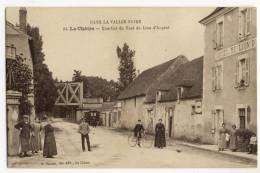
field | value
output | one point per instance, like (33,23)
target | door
(219,120)
(170,127)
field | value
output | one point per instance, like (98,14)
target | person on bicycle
(138,130)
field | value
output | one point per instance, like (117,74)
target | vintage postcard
(139,87)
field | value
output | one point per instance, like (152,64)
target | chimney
(22,19)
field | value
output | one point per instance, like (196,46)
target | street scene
(131,88)
(111,149)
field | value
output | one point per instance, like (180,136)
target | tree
(127,71)
(96,86)
(45,92)
(77,76)
(19,78)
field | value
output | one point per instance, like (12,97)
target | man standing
(84,131)
(25,131)
(160,140)
(138,130)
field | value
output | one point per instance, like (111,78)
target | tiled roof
(189,76)
(141,84)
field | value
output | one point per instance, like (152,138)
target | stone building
(17,43)
(175,96)
(176,99)
(133,97)
(229,75)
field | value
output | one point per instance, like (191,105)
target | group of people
(229,139)
(31,137)
(159,140)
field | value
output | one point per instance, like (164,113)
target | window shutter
(221,80)
(214,40)
(248,21)
(240,23)
(236,73)
(213,78)
(247,70)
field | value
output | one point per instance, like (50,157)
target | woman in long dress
(160,140)
(49,147)
(222,143)
(36,144)
(233,138)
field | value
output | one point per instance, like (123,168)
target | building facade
(133,98)
(175,96)
(229,76)
(176,99)
(17,44)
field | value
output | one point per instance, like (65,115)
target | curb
(252,160)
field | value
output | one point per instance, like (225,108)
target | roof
(10,29)
(211,14)
(141,84)
(189,76)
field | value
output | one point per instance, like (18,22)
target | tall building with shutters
(229,75)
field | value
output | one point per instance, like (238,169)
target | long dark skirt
(49,147)
(160,140)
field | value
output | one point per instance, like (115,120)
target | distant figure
(222,143)
(84,131)
(49,146)
(233,138)
(138,130)
(253,144)
(36,144)
(160,140)
(25,130)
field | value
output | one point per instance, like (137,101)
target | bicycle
(145,141)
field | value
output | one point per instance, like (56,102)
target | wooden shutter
(221,76)
(214,40)
(236,73)
(240,24)
(247,70)
(248,21)
(213,78)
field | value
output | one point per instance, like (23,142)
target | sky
(94,52)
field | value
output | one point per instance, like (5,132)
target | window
(244,23)
(242,118)
(179,93)
(10,52)
(217,76)
(242,115)
(219,33)
(242,71)
(135,101)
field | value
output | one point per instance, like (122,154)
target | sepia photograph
(131,87)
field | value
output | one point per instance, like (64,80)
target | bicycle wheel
(132,140)
(146,142)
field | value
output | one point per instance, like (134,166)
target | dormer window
(10,52)
(179,93)
(160,94)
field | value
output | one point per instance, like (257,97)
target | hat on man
(25,116)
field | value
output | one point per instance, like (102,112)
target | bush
(244,138)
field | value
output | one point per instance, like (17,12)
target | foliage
(77,76)
(19,78)
(96,86)
(127,71)
(45,91)
(244,133)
